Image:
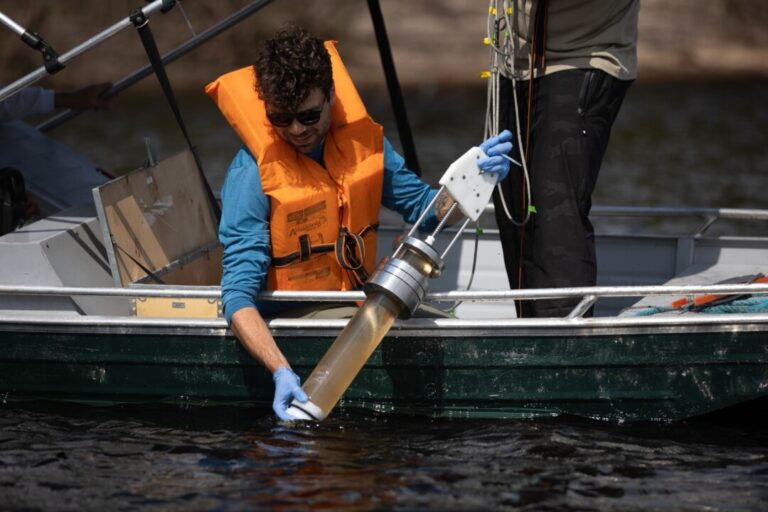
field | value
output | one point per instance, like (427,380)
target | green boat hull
(616,376)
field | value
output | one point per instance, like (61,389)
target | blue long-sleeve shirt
(244,226)
(27,102)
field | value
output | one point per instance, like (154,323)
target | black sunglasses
(306,117)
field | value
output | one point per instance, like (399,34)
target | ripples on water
(58,457)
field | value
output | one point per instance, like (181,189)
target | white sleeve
(27,102)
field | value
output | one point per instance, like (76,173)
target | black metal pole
(393,86)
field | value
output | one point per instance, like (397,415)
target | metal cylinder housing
(404,276)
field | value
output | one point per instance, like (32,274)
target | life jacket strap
(303,254)
(349,249)
(350,253)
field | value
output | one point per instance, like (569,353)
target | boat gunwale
(416,327)
(214,292)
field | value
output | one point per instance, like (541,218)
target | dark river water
(56,457)
(672,145)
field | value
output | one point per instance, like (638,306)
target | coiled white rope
(501,41)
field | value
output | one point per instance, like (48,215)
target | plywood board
(155,216)
(204,269)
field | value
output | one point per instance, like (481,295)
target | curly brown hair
(289,66)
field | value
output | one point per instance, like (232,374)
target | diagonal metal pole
(74,52)
(181,50)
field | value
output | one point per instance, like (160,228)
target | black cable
(393,86)
(141,22)
(139,264)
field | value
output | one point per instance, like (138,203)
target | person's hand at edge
(90,97)
(287,387)
(494,148)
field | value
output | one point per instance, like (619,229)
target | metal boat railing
(662,211)
(588,295)
(214,292)
(26,321)
(708,215)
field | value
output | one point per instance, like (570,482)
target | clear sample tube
(399,291)
(346,357)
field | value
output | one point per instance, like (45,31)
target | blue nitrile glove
(494,148)
(287,387)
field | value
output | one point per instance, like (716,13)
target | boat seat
(64,249)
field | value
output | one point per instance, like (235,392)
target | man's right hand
(287,387)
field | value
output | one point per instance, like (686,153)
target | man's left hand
(494,148)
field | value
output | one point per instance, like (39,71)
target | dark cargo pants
(573,112)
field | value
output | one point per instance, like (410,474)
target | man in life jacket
(301,200)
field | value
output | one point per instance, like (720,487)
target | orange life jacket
(322,220)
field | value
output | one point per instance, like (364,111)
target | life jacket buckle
(305,248)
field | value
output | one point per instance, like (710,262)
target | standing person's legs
(513,187)
(572,116)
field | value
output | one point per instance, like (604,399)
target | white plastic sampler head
(468,185)
(306,411)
